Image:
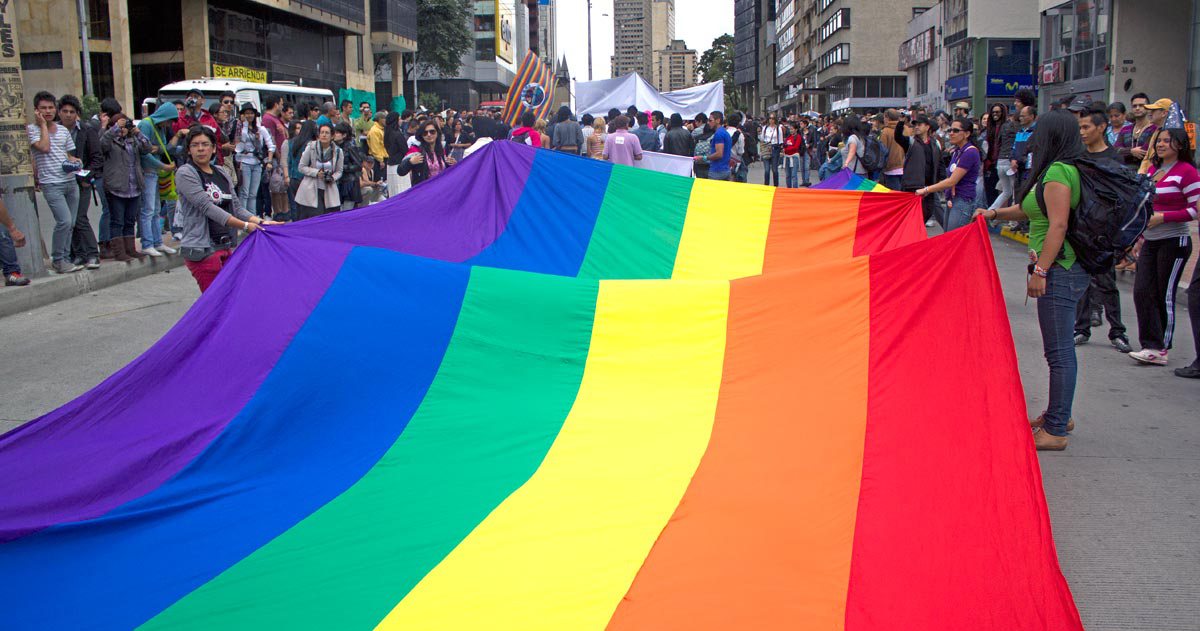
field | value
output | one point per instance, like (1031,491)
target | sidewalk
(44,290)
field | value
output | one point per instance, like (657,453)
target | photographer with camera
(123,146)
(255,148)
(210,211)
(54,168)
(195,114)
(321,165)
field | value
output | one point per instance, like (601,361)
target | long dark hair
(995,125)
(307,134)
(852,125)
(435,148)
(1179,140)
(1055,139)
(564,114)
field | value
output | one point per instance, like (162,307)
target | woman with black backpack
(1056,280)
(352,161)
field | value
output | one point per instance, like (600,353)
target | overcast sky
(697,22)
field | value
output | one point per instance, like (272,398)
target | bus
(246,91)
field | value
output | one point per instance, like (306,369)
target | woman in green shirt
(1055,280)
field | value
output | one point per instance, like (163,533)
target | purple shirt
(622,147)
(965,158)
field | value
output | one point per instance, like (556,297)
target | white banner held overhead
(598,97)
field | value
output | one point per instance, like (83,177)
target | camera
(191,103)
(128,124)
(328,177)
(69,166)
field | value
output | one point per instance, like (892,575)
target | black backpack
(874,155)
(1114,207)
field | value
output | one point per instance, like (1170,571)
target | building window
(961,58)
(42,61)
(1076,34)
(835,23)
(923,79)
(97,13)
(839,54)
(825,4)
(288,47)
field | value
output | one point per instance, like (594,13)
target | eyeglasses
(200,145)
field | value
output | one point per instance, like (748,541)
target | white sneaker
(151,251)
(178,237)
(166,249)
(931,223)
(1150,356)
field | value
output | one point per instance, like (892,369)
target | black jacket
(922,161)
(87,146)
(395,141)
(679,141)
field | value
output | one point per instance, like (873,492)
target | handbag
(166,179)
(275,182)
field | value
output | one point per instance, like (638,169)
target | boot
(1040,421)
(118,250)
(106,250)
(131,248)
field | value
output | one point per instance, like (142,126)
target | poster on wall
(506,30)
(14,144)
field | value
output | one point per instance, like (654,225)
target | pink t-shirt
(622,147)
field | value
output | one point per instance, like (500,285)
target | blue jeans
(8,253)
(1056,318)
(124,213)
(958,212)
(63,200)
(791,169)
(892,182)
(148,223)
(771,167)
(718,176)
(806,163)
(248,186)
(104,229)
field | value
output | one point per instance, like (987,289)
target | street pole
(416,97)
(83,38)
(589,40)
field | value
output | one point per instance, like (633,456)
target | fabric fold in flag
(448,446)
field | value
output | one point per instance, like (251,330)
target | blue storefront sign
(1008,84)
(958,87)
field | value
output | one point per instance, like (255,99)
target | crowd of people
(199,171)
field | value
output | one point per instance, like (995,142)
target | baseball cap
(195,91)
(1080,103)
(1161,104)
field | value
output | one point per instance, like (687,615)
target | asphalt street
(1124,498)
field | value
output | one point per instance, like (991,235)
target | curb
(56,287)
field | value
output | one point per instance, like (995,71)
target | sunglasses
(429,131)
(228,102)
(956,129)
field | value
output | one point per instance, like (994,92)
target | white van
(245,91)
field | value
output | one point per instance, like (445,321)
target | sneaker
(152,251)
(1187,372)
(1096,319)
(1041,420)
(78,260)
(64,267)
(1080,339)
(166,249)
(15,279)
(92,263)
(1048,442)
(178,237)
(1121,344)
(1150,356)
(931,223)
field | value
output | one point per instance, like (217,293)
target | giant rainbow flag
(346,433)
(847,180)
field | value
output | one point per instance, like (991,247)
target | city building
(502,36)
(754,46)
(674,67)
(137,46)
(1113,49)
(848,52)
(921,57)
(640,27)
(543,16)
(990,50)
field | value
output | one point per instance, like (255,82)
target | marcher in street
(156,130)
(352,165)
(771,149)
(1056,281)
(646,135)
(922,161)
(567,136)
(1102,294)
(962,175)
(793,147)
(1001,134)
(855,133)
(622,147)
(84,248)
(209,209)
(54,168)
(893,169)
(678,140)
(11,238)
(1167,244)
(595,142)
(321,164)
(123,145)
(720,146)
(428,159)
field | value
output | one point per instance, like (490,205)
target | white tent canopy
(598,97)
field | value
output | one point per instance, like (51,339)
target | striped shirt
(49,165)
(1176,196)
